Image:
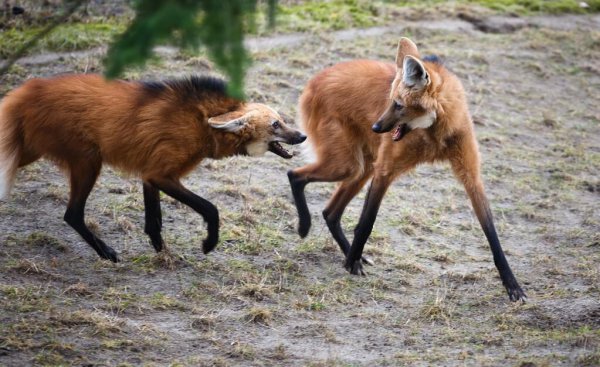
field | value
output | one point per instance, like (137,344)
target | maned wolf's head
(261,127)
(410,105)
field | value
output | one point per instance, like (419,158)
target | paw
(158,244)
(515,293)
(355,267)
(108,253)
(209,244)
(303,227)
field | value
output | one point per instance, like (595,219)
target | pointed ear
(230,121)
(406,47)
(414,74)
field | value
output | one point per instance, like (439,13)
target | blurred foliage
(219,25)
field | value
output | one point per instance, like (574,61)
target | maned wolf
(343,105)
(158,131)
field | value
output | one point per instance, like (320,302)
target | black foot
(367,261)
(158,247)
(355,267)
(157,244)
(106,252)
(515,293)
(303,227)
(209,244)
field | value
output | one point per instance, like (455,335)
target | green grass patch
(162,301)
(335,14)
(539,6)
(343,14)
(66,37)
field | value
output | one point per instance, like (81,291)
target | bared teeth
(397,133)
(276,148)
(400,132)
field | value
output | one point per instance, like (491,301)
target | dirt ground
(265,297)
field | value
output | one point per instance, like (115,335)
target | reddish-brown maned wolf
(343,105)
(158,131)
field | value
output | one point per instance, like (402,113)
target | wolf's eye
(275,124)
(398,106)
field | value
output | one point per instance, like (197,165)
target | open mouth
(276,148)
(400,132)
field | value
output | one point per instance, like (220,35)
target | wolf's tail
(10,150)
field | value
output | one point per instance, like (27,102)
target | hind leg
(83,177)
(336,206)
(153,214)
(300,177)
(340,156)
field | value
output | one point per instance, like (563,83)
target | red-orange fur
(339,107)
(338,120)
(156,131)
(340,104)
(87,118)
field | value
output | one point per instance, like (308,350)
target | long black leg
(509,281)
(83,177)
(335,209)
(205,208)
(363,230)
(153,215)
(465,164)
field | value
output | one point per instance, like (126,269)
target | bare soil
(267,297)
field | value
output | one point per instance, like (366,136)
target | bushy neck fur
(447,97)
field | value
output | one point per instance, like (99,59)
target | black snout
(299,139)
(377,127)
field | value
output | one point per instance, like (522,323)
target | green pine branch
(219,25)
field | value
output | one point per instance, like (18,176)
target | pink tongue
(397,134)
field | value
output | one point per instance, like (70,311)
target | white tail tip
(7,174)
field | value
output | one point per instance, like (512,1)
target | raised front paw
(355,267)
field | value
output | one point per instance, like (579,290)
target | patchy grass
(66,37)
(329,15)
(539,6)
(342,14)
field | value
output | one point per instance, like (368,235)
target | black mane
(193,87)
